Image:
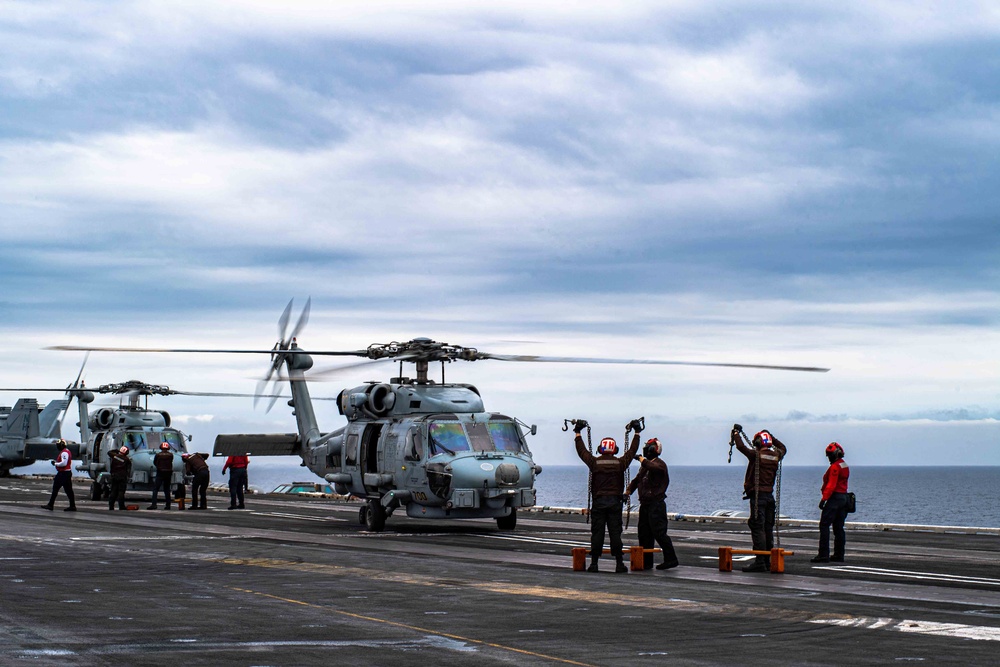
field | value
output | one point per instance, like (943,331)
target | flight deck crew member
(63,478)
(608,487)
(237,466)
(196,465)
(164,463)
(764,456)
(652,481)
(834,506)
(121,470)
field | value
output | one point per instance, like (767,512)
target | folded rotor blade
(656,362)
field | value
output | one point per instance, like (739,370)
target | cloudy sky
(759,182)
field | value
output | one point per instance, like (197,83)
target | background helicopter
(427,447)
(132,424)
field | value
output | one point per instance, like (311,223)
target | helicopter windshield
(452,437)
(138,440)
(505,436)
(448,437)
(134,440)
(172,438)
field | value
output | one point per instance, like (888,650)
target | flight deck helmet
(763,439)
(834,452)
(652,448)
(607,446)
(164,446)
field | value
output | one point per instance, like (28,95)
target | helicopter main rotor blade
(655,362)
(326,353)
(283,320)
(303,319)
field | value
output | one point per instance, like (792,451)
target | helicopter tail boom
(257,444)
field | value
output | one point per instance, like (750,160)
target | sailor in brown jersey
(608,488)
(652,481)
(758,487)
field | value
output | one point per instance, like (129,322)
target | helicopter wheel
(95,491)
(508,522)
(363,514)
(374,516)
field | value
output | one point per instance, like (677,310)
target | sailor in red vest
(237,466)
(63,478)
(834,506)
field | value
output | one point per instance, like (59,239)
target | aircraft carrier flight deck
(296,581)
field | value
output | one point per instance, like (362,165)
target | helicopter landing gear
(508,522)
(96,492)
(374,516)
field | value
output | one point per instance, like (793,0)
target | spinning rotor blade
(283,320)
(656,362)
(324,353)
(303,319)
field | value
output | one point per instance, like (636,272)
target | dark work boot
(46,507)
(666,566)
(819,559)
(620,567)
(592,568)
(71,508)
(756,566)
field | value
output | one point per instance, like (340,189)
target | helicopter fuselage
(430,449)
(142,431)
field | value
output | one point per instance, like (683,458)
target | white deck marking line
(537,540)
(287,515)
(910,574)
(959,630)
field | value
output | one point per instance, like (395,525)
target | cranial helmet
(765,438)
(607,446)
(834,451)
(123,450)
(164,446)
(653,447)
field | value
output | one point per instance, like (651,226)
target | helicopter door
(369,452)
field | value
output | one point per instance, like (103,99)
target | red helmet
(835,448)
(607,446)
(164,445)
(766,439)
(123,450)
(653,444)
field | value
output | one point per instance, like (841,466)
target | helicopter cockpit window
(447,438)
(134,440)
(351,450)
(172,438)
(414,450)
(505,436)
(479,437)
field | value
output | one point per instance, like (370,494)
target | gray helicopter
(428,448)
(131,424)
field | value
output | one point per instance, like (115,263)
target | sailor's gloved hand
(579,426)
(625,498)
(634,425)
(822,504)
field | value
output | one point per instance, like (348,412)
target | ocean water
(953,496)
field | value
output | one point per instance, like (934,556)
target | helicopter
(132,424)
(414,444)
